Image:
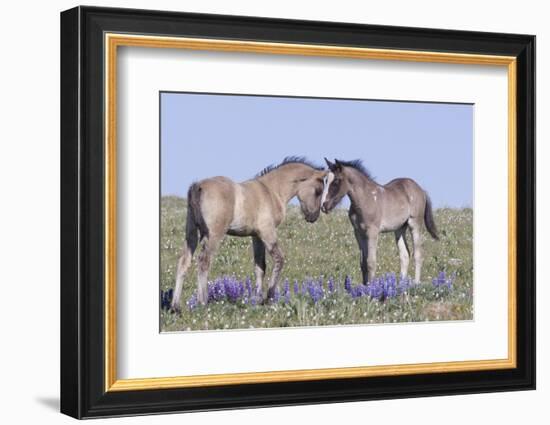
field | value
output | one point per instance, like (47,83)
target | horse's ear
(337,165)
(331,165)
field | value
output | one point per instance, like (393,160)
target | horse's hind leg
(184,262)
(417,242)
(404,253)
(209,246)
(259,260)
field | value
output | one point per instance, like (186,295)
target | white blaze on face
(328,180)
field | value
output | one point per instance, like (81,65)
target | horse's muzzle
(311,218)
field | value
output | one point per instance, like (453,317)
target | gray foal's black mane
(289,160)
(358,165)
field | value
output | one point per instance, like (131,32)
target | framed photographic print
(261,212)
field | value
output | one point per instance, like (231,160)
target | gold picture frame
(114,41)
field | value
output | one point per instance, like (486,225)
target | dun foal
(218,206)
(393,207)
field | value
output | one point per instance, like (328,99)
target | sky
(205,135)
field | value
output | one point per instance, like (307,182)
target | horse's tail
(195,220)
(429,219)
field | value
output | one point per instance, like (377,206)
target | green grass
(326,248)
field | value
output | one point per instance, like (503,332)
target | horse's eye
(318,192)
(334,187)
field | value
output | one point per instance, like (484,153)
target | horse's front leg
(372,244)
(278,262)
(404,254)
(361,238)
(363,253)
(259,261)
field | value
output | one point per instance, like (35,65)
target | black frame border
(82,207)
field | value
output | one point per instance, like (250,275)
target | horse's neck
(362,189)
(281,184)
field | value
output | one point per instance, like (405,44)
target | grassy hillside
(325,249)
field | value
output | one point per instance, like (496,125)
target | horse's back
(404,184)
(411,190)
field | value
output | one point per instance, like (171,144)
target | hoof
(267,301)
(175,309)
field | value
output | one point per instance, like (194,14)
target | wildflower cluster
(383,287)
(443,281)
(232,290)
(166,299)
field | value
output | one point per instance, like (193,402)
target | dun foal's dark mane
(289,160)
(358,165)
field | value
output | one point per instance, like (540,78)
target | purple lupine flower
(166,298)
(443,280)
(211,290)
(296,287)
(403,286)
(228,287)
(357,291)
(248,285)
(276,295)
(217,293)
(390,291)
(347,283)
(286,287)
(286,291)
(162,300)
(192,302)
(389,285)
(330,285)
(305,286)
(375,289)
(315,292)
(309,288)
(233,289)
(321,289)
